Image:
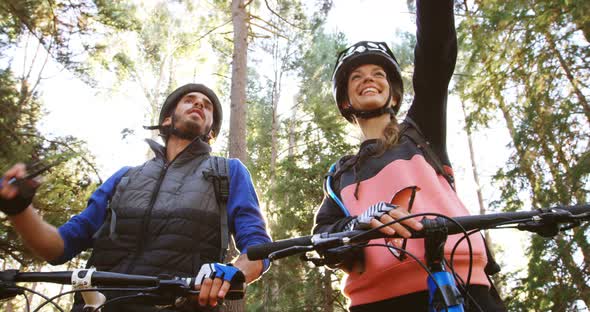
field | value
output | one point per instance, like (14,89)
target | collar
(196,148)
(368,144)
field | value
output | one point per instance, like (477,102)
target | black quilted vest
(163,217)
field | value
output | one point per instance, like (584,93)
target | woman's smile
(368,87)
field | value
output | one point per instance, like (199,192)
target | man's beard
(185,128)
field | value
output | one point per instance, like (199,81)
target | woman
(399,168)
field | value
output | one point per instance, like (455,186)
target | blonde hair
(391,132)
(390,137)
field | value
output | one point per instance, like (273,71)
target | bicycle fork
(448,295)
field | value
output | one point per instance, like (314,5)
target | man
(163,217)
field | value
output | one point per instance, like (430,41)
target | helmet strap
(368,114)
(171,129)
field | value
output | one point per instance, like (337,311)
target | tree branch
(269,30)
(280,17)
(67,146)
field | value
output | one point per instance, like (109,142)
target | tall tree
(321,140)
(36,33)
(69,31)
(528,63)
(172,46)
(51,28)
(288,38)
(237,131)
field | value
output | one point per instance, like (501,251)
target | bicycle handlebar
(540,221)
(99,278)
(177,286)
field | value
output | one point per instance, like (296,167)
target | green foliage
(307,146)
(69,31)
(166,49)
(525,63)
(404,53)
(259,129)
(311,140)
(64,188)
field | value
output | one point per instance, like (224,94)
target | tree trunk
(554,157)
(237,131)
(275,128)
(570,76)
(328,299)
(292,128)
(482,208)
(523,158)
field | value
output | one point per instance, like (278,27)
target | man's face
(193,114)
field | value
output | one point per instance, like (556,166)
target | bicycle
(442,284)
(162,291)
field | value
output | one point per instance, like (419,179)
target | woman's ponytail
(391,132)
(390,137)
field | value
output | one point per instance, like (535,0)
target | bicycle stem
(447,297)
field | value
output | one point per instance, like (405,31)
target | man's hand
(215,281)
(17,192)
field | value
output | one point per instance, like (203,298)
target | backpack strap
(411,130)
(328,188)
(329,180)
(218,174)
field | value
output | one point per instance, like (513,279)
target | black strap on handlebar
(8,288)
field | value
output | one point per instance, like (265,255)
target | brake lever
(34,174)
(37,169)
(330,256)
(289,252)
(582,216)
(548,224)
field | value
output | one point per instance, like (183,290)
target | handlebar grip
(261,251)
(236,292)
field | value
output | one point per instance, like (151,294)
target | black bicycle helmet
(360,53)
(173,99)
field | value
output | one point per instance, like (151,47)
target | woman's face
(368,87)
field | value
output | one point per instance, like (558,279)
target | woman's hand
(399,228)
(382,213)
